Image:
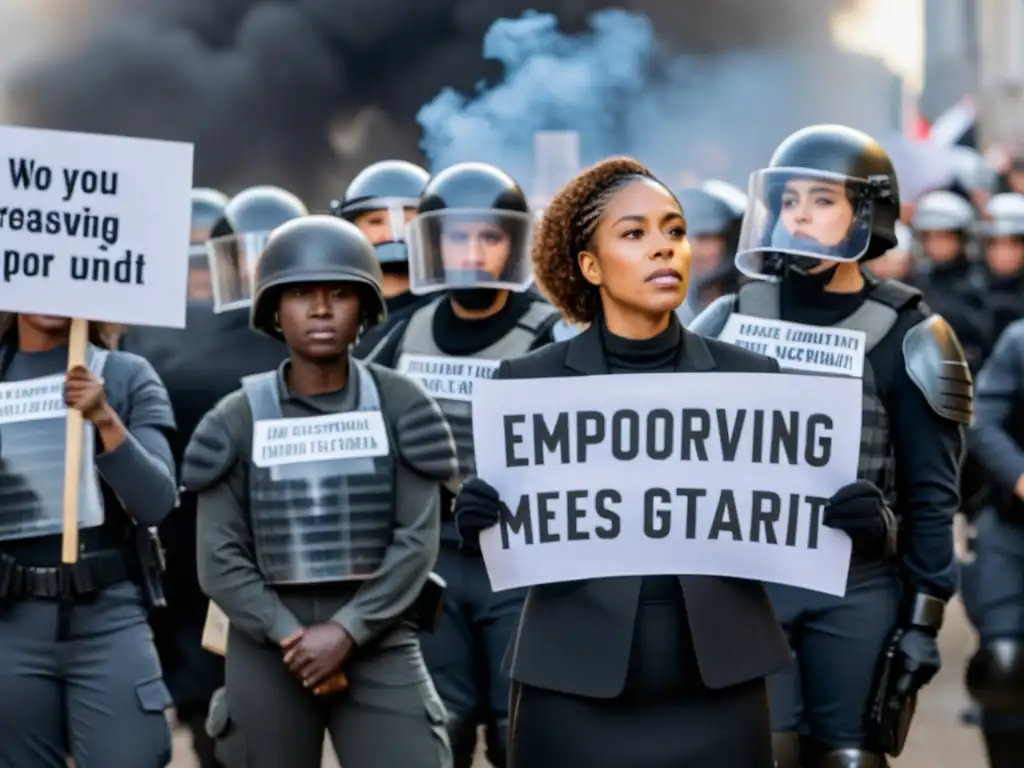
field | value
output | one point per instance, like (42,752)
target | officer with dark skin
(318,524)
(469,240)
(78,670)
(948,276)
(381,200)
(713,216)
(827,202)
(200,364)
(992,582)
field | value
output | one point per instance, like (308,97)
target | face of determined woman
(817,210)
(640,258)
(319,321)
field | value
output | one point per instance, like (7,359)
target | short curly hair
(567,228)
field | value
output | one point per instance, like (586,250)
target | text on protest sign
(336,436)
(32,400)
(449,378)
(713,474)
(94,227)
(797,347)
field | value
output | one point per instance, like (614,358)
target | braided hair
(568,227)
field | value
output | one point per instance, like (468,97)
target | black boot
(1005,748)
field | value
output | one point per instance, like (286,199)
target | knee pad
(497,742)
(852,757)
(995,675)
(786,749)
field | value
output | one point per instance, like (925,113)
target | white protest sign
(448,378)
(334,437)
(94,227)
(715,474)
(797,347)
(32,400)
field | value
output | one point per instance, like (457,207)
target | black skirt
(664,718)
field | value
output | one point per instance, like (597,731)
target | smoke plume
(304,93)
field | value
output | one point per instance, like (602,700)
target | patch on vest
(336,436)
(41,398)
(447,378)
(798,347)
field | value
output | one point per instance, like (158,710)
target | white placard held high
(797,347)
(94,227)
(716,474)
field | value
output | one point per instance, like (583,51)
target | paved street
(937,738)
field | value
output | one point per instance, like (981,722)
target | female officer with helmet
(318,524)
(827,202)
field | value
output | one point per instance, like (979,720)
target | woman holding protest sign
(649,672)
(318,519)
(78,668)
(828,202)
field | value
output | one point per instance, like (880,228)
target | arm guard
(936,363)
(712,320)
(425,440)
(209,457)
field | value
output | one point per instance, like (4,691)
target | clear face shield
(460,250)
(232,263)
(798,218)
(385,225)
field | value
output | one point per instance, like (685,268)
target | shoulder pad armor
(712,320)
(210,455)
(425,441)
(895,294)
(936,364)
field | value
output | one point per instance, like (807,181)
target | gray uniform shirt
(228,572)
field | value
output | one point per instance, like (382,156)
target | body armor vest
(33,436)
(875,318)
(324,520)
(449,380)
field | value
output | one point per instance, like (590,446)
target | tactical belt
(66,581)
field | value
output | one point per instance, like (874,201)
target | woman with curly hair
(645,672)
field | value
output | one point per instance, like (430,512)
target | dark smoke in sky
(261,87)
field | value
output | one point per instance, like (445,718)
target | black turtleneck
(927,447)
(655,355)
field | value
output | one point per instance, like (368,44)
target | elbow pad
(712,320)
(209,457)
(425,441)
(937,365)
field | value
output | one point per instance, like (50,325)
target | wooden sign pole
(77,346)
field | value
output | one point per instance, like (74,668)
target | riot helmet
(1002,234)
(238,236)
(714,212)
(316,249)
(471,236)
(207,206)
(380,200)
(829,193)
(940,221)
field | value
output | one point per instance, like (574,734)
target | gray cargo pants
(389,716)
(98,696)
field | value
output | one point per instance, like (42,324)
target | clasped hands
(315,656)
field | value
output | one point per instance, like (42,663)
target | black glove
(476,508)
(860,511)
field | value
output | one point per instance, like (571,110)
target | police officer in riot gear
(1001,238)
(471,241)
(827,202)
(381,200)
(78,669)
(713,212)
(200,364)
(947,275)
(992,582)
(318,523)
(207,208)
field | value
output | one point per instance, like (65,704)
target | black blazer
(575,637)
